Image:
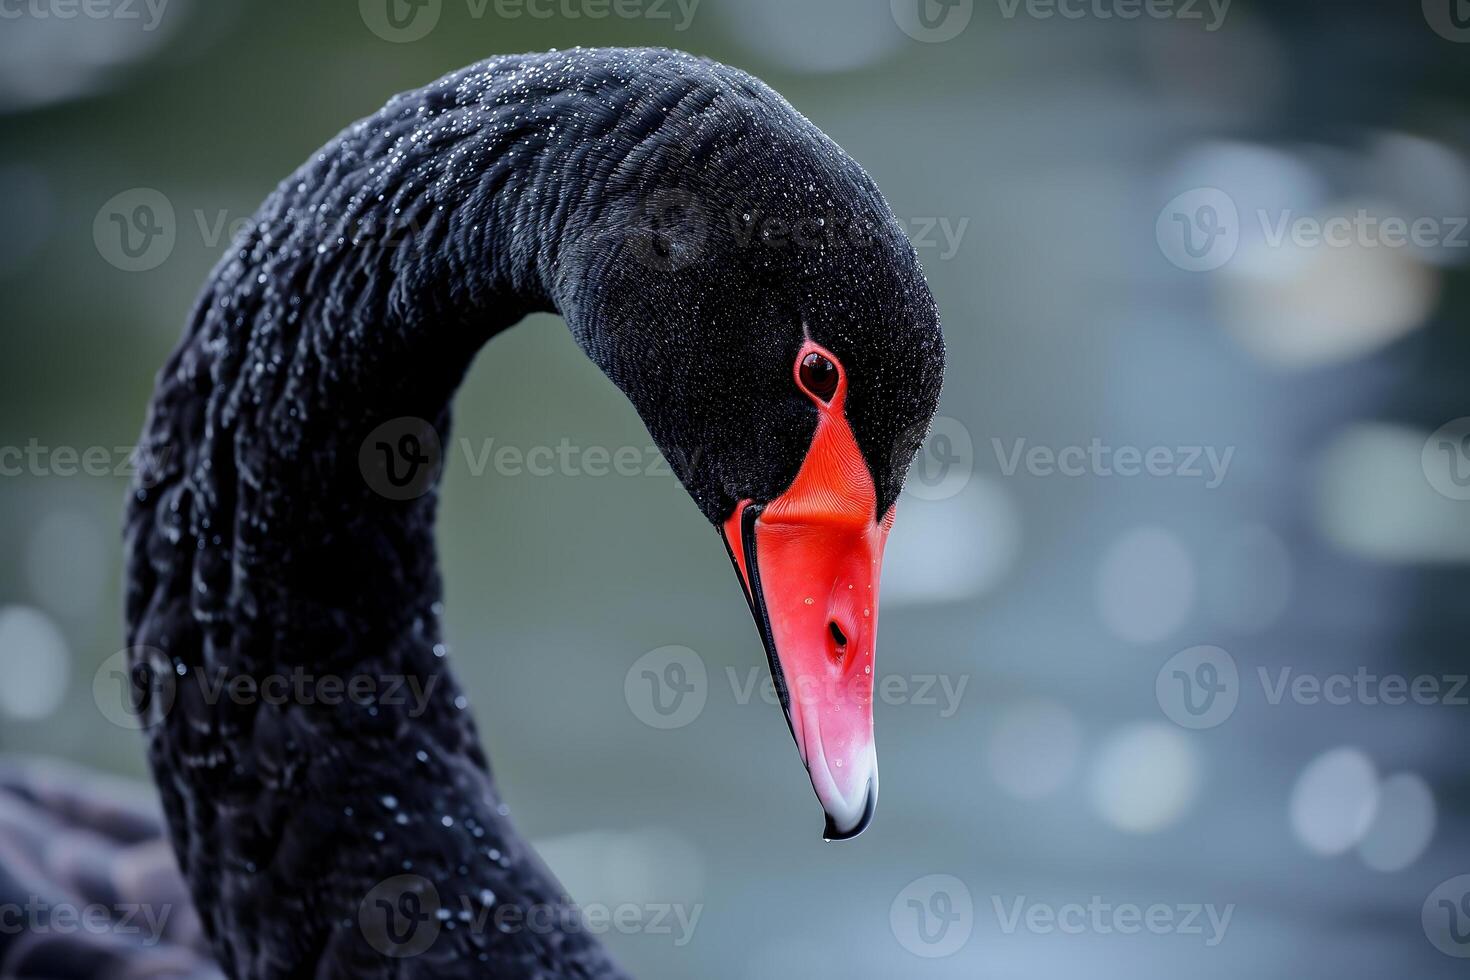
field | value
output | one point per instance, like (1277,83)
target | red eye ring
(819,376)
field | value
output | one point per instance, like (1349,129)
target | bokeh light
(1334,801)
(1403,825)
(1145,777)
(35,663)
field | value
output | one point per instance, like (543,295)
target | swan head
(762,308)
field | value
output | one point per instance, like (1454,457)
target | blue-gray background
(1037,162)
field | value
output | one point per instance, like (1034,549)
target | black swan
(725,264)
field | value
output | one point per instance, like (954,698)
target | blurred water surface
(1198,496)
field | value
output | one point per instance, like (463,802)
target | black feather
(359,294)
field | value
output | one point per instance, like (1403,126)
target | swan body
(633,192)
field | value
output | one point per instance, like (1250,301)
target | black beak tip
(870,803)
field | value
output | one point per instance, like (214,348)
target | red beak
(810,563)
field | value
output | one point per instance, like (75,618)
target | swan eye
(819,376)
